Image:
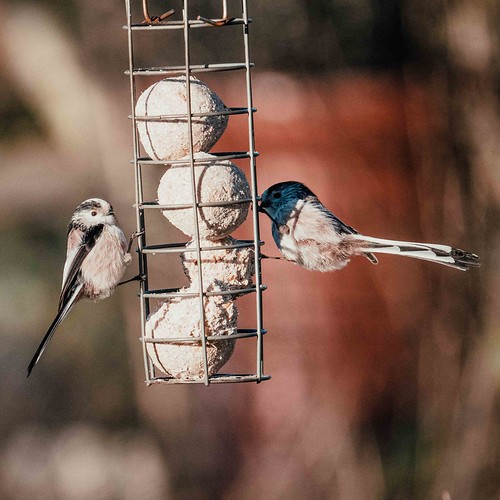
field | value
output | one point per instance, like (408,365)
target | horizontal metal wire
(178,25)
(193,68)
(213,379)
(183,206)
(241,334)
(233,155)
(166,118)
(167,293)
(182,247)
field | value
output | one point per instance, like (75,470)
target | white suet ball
(179,318)
(223,269)
(216,181)
(169,140)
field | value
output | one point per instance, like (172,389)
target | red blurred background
(385,379)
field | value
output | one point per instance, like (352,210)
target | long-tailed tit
(96,257)
(307,233)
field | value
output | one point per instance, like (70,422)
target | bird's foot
(154,19)
(262,256)
(133,237)
(139,277)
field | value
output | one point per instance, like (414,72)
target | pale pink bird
(307,233)
(96,258)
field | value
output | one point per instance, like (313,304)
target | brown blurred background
(385,379)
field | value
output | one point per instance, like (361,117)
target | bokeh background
(385,379)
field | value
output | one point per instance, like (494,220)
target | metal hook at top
(153,19)
(218,22)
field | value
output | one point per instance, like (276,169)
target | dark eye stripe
(88,205)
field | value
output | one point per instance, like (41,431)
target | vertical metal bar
(187,61)
(140,223)
(253,180)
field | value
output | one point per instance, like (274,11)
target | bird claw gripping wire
(263,256)
(139,277)
(218,22)
(134,236)
(154,19)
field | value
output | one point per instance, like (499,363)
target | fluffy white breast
(105,264)
(309,238)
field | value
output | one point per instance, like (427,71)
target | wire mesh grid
(144,250)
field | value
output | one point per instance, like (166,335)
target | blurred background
(385,380)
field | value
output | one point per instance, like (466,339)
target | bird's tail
(441,254)
(61,314)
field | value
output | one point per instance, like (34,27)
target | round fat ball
(222,268)
(179,318)
(216,181)
(169,139)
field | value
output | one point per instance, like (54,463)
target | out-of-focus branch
(457,42)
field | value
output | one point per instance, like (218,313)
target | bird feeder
(192,332)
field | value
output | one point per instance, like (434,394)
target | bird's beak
(261,209)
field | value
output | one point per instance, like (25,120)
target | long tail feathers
(61,314)
(441,254)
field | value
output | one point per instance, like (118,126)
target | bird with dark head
(307,233)
(96,258)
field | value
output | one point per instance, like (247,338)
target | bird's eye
(93,213)
(276,195)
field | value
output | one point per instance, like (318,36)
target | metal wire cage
(145,251)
